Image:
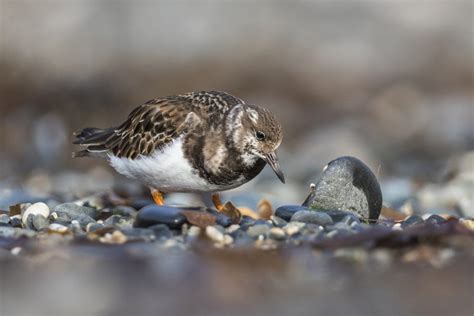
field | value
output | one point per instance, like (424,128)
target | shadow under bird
(207,141)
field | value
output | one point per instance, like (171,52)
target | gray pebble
(161,231)
(287,211)
(113,220)
(241,239)
(12,232)
(83,220)
(61,219)
(293,228)
(312,229)
(15,221)
(72,209)
(347,184)
(278,221)
(7,232)
(257,230)
(349,219)
(312,217)
(412,221)
(91,227)
(40,222)
(338,215)
(277,233)
(435,219)
(28,221)
(4,219)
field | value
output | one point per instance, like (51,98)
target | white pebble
(397,226)
(232,228)
(214,234)
(37,208)
(57,228)
(293,228)
(15,251)
(277,233)
(228,240)
(194,231)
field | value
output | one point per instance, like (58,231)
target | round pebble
(287,211)
(215,234)
(293,228)
(15,221)
(39,222)
(412,221)
(347,184)
(162,231)
(37,208)
(58,228)
(258,230)
(277,233)
(312,217)
(155,214)
(435,219)
(4,219)
(72,210)
(278,221)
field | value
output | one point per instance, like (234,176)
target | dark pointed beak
(272,160)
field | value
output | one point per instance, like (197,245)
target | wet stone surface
(347,184)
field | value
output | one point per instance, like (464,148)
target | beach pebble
(347,184)
(40,222)
(215,234)
(277,233)
(293,228)
(72,210)
(155,214)
(412,221)
(312,217)
(258,230)
(4,219)
(162,231)
(278,221)
(287,211)
(35,209)
(57,228)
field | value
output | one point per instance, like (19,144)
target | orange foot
(157,197)
(228,208)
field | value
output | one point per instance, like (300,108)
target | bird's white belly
(166,170)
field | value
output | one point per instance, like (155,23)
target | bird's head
(256,134)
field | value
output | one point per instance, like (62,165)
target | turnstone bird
(194,142)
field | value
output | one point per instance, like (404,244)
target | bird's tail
(95,141)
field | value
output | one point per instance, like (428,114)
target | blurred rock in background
(390,83)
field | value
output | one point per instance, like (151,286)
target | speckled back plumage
(156,123)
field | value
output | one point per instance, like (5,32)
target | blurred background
(388,82)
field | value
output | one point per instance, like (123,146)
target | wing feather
(156,123)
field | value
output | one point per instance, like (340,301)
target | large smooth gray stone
(347,184)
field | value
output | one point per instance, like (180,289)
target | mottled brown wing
(151,126)
(156,123)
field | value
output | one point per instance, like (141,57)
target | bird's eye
(260,135)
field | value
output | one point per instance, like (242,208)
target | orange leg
(157,197)
(216,199)
(228,208)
